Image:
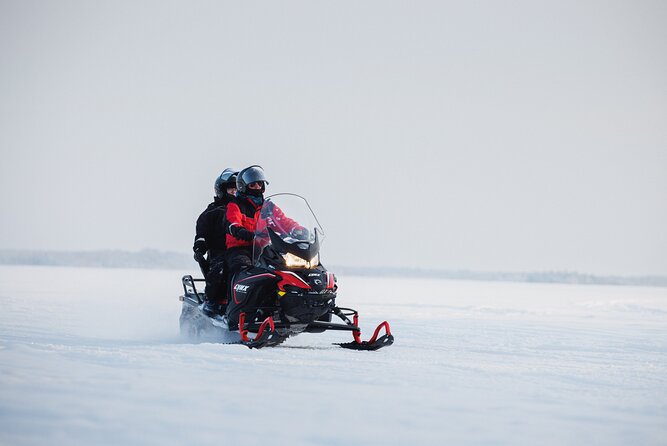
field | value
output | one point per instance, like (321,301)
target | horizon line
(150,258)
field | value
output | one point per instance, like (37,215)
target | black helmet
(249,175)
(226,179)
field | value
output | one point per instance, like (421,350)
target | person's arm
(200,244)
(283,222)
(235,223)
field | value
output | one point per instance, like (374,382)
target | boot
(211,309)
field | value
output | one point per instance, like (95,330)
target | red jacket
(243,217)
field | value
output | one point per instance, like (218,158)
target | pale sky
(486,135)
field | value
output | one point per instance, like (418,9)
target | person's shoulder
(210,207)
(207,210)
(234,202)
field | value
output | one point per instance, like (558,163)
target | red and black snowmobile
(286,292)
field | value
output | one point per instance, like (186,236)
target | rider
(242,215)
(211,239)
(252,221)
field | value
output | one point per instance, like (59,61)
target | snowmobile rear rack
(190,290)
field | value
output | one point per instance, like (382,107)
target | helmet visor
(253,174)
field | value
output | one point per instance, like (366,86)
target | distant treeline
(148,258)
(537,277)
(153,259)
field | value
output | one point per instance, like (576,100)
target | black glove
(200,249)
(241,233)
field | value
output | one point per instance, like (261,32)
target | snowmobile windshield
(288,227)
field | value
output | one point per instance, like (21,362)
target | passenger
(210,243)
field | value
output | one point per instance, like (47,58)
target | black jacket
(211,227)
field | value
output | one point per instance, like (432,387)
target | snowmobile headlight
(293,261)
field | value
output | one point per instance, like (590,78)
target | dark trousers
(216,281)
(237,259)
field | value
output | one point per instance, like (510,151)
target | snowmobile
(286,291)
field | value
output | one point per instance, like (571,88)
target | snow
(93,356)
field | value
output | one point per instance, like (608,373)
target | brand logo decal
(241,288)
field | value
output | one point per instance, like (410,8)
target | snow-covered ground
(93,357)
